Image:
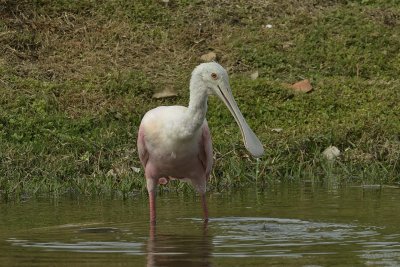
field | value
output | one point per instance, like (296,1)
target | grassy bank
(77,76)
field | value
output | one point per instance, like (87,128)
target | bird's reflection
(179,250)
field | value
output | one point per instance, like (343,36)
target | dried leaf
(302,86)
(112,173)
(287,45)
(277,130)
(165,93)
(209,57)
(135,169)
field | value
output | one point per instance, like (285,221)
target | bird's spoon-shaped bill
(251,141)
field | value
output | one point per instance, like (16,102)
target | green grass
(77,76)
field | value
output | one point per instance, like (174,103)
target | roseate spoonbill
(175,141)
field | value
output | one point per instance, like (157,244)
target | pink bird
(175,141)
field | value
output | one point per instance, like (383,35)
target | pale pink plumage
(166,156)
(175,141)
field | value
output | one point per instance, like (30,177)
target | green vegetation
(77,76)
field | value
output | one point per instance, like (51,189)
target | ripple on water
(228,237)
(133,248)
(85,238)
(276,237)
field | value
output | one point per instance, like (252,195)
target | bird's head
(213,76)
(216,81)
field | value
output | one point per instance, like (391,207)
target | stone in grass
(254,75)
(211,56)
(331,152)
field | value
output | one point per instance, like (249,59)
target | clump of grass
(76,78)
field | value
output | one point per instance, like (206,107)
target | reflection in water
(178,250)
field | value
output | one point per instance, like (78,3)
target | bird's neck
(196,112)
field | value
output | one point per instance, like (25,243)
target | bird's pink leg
(204,205)
(152,190)
(152,203)
(199,184)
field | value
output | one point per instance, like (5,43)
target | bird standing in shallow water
(175,141)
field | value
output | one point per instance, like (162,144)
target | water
(286,225)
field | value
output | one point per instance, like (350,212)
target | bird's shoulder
(162,115)
(162,112)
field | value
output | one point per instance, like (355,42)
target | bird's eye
(214,76)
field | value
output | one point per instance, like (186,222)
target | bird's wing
(205,152)
(141,144)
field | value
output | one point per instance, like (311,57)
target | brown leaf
(302,86)
(208,57)
(165,93)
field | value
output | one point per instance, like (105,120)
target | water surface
(285,225)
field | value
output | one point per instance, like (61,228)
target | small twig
(7,32)
(16,52)
(4,82)
(358,70)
